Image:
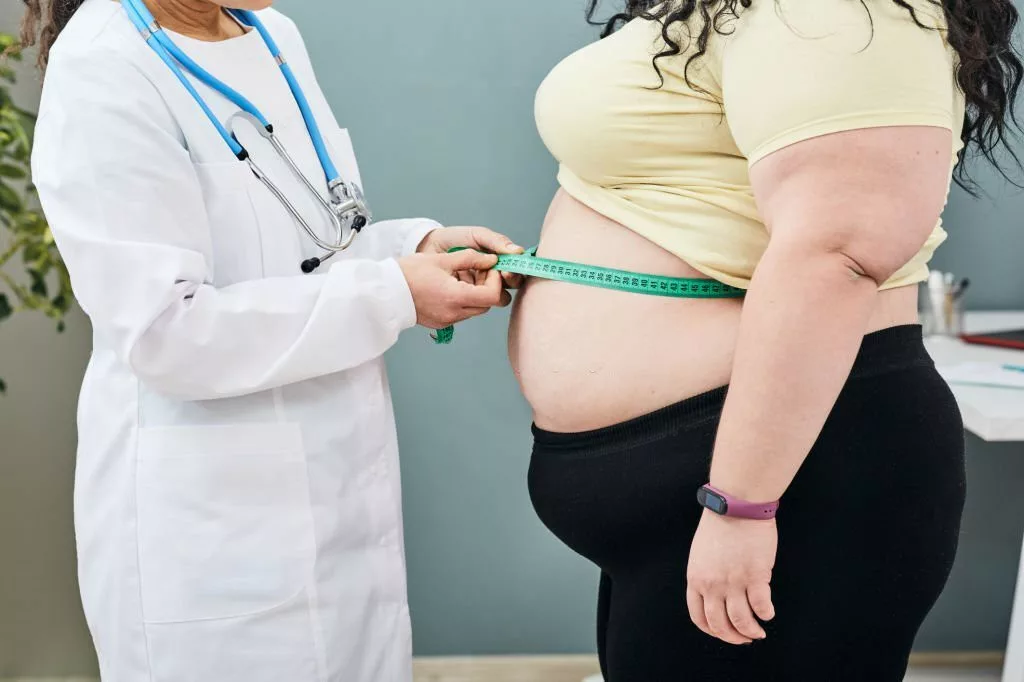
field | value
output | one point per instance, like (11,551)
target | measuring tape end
(443,337)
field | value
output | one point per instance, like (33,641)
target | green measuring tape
(530,265)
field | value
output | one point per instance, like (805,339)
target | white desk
(992,414)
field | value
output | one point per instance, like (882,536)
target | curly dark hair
(44,21)
(989,68)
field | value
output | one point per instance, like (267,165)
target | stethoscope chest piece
(350,205)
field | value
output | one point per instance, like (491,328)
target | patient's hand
(480,239)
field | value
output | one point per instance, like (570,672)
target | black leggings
(867,530)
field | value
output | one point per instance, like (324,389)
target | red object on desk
(1011,339)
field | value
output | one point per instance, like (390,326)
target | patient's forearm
(796,346)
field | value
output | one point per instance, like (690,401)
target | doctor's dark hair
(43,22)
(989,68)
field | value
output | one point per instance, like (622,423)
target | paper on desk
(982,374)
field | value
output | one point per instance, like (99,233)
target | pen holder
(943,317)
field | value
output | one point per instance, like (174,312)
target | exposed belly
(587,357)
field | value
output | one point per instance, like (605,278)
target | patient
(801,150)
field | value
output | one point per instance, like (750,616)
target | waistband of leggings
(888,350)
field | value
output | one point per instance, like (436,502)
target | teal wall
(439,98)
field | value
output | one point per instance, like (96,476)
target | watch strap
(724,504)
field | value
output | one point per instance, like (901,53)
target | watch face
(710,500)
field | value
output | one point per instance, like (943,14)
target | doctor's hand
(728,581)
(478,238)
(443,298)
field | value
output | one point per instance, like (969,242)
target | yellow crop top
(665,163)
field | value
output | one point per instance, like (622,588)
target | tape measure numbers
(530,265)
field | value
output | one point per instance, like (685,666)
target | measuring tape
(530,265)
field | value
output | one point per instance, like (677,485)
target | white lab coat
(237,497)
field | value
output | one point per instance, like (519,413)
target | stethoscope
(347,208)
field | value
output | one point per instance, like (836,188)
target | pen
(1014,368)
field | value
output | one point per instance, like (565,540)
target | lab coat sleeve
(390,238)
(382,239)
(127,211)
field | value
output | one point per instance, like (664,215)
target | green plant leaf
(38,283)
(9,170)
(9,200)
(61,302)
(5,307)
(33,252)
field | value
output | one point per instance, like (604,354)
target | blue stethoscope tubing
(348,200)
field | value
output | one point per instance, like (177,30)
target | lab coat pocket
(344,156)
(224,520)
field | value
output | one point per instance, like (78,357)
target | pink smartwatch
(724,505)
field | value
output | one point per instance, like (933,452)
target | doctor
(237,498)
